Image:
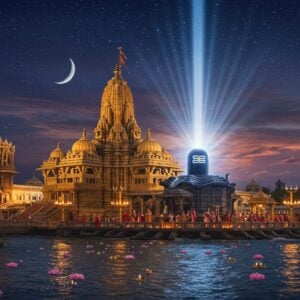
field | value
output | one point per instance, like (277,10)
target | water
(176,275)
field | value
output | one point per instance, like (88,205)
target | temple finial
(148,134)
(58,145)
(83,134)
(117,70)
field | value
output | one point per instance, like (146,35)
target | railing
(152,225)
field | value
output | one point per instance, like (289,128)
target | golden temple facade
(92,174)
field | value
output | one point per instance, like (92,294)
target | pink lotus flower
(54,272)
(183,251)
(76,276)
(258,256)
(223,251)
(67,255)
(257,276)
(12,265)
(208,252)
(129,256)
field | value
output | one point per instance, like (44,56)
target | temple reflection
(58,260)
(290,267)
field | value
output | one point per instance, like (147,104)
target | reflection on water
(117,265)
(181,269)
(290,269)
(59,260)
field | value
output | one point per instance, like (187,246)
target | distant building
(253,199)
(94,171)
(15,197)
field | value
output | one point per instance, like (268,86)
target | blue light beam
(198,29)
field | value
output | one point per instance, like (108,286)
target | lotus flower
(208,252)
(183,251)
(54,272)
(129,256)
(76,276)
(258,256)
(223,251)
(67,255)
(257,276)
(12,265)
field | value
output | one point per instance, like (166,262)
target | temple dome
(83,144)
(34,181)
(166,154)
(148,145)
(57,153)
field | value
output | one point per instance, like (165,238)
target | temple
(92,174)
(15,198)
(207,192)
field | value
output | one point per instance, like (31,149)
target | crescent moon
(71,74)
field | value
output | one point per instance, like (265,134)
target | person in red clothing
(97,221)
(193,215)
(83,218)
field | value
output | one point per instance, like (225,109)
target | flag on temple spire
(122,57)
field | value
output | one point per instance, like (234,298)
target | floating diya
(231,259)
(140,278)
(258,265)
(148,271)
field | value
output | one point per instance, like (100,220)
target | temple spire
(83,137)
(148,134)
(117,71)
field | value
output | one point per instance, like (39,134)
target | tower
(116,136)
(7,170)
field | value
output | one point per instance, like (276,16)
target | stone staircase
(39,212)
(30,212)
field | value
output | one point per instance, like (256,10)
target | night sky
(252,63)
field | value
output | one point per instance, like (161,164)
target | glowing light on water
(198,71)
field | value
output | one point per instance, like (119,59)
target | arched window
(141,171)
(89,171)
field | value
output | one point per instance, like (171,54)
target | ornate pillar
(141,205)
(181,204)
(157,206)
(272,211)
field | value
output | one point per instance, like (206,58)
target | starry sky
(252,63)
